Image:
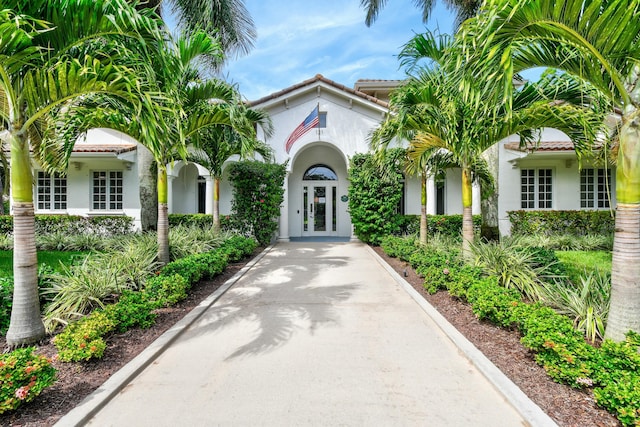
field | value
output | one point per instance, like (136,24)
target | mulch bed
(568,407)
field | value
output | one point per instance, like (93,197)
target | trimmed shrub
(612,370)
(166,290)
(82,340)
(6,301)
(257,197)
(133,309)
(375,190)
(449,225)
(24,376)
(575,223)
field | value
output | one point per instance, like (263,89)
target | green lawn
(577,262)
(51,258)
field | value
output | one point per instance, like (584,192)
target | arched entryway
(317,193)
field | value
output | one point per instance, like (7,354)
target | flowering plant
(23,376)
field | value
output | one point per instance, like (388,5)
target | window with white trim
(536,188)
(51,191)
(106,194)
(595,188)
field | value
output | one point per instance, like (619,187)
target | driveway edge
(86,409)
(531,412)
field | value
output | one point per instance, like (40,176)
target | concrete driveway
(311,334)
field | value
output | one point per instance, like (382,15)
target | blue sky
(298,39)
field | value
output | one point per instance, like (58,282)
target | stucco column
(170,179)
(431,196)
(476,207)
(283,232)
(208,199)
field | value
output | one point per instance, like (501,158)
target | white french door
(319,208)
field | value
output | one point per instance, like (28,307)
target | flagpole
(318,121)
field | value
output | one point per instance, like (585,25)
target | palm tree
(447,110)
(597,41)
(48,60)
(193,105)
(464,9)
(214,146)
(426,165)
(230,22)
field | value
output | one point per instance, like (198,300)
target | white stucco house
(103,179)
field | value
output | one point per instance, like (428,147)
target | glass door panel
(319,205)
(319,208)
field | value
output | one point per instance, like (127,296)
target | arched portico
(316,192)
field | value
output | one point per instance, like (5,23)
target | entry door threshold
(332,239)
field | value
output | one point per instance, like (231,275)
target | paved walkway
(310,334)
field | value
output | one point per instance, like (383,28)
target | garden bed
(568,407)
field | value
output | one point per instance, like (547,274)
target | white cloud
(298,39)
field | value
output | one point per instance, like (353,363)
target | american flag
(310,122)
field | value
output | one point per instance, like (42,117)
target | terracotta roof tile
(319,78)
(104,148)
(542,146)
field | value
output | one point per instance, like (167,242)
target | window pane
(43,190)
(322,118)
(320,172)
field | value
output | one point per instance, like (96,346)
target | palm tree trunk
(489,229)
(163,216)
(148,195)
(467,217)
(624,311)
(423,210)
(26,325)
(216,204)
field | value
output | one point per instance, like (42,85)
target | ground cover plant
(90,306)
(580,262)
(53,259)
(611,371)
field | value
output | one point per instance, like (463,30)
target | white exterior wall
(412,195)
(79,177)
(349,121)
(350,118)
(565,177)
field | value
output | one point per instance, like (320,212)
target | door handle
(311,207)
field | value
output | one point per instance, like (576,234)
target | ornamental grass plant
(586,302)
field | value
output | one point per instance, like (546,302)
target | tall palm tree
(48,60)
(230,22)
(426,165)
(193,105)
(215,145)
(597,41)
(464,9)
(447,110)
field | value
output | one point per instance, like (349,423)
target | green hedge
(375,189)
(576,223)
(84,340)
(612,370)
(450,225)
(204,221)
(73,224)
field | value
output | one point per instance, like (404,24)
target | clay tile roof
(104,148)
(313,80)
(542,146)
(97,148)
